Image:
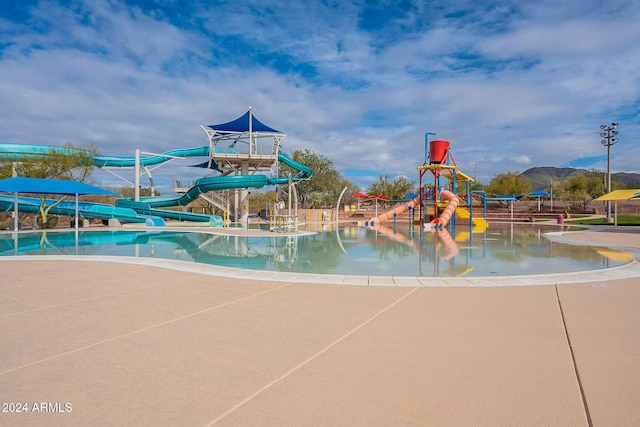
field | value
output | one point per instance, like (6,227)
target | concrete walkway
(90,342)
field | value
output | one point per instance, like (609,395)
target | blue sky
(510,84)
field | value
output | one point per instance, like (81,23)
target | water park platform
(253,161)
(104,341)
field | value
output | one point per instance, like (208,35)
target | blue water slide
(147,205)
(68,208)
(10,151)
(129,161)
(304,171)
(216,183)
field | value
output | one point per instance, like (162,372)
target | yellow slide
(479,224)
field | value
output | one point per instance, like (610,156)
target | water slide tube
(68,208)
(147,204)
(10,151)
(105,211)
(373,222)
(445,216)
(17,152)
(21,151)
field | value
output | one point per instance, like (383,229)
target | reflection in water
(503,249)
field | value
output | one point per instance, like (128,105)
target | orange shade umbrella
(359,196)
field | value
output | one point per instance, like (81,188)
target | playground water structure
(505,250)
(222,154)
(441,162)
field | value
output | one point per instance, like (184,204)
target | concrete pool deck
(96,341)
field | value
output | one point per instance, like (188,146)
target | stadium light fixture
(609,139)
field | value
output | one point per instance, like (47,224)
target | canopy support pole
(15,211)
(76,211)
(250,132)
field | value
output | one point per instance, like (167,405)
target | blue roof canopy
(506,197)
(241,124)
(539,193)
(49,186)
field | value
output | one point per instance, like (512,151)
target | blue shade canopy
(241,124)
(207,165)
(49,186)
(539,193)
(505,197)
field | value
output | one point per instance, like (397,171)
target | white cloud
(510,87)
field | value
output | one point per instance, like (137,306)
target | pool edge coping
(624,271)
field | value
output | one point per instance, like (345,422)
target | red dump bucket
(438,151)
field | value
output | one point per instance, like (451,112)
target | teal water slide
(17,152)
(68,208)
(147,208)
(216,183)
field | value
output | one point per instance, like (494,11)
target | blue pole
(426,145)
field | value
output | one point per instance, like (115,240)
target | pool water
(500,250)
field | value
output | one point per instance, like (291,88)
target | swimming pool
(500,250)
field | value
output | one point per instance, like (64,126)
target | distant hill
(541,177)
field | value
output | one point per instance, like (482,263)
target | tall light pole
(426,145)
(609,138)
